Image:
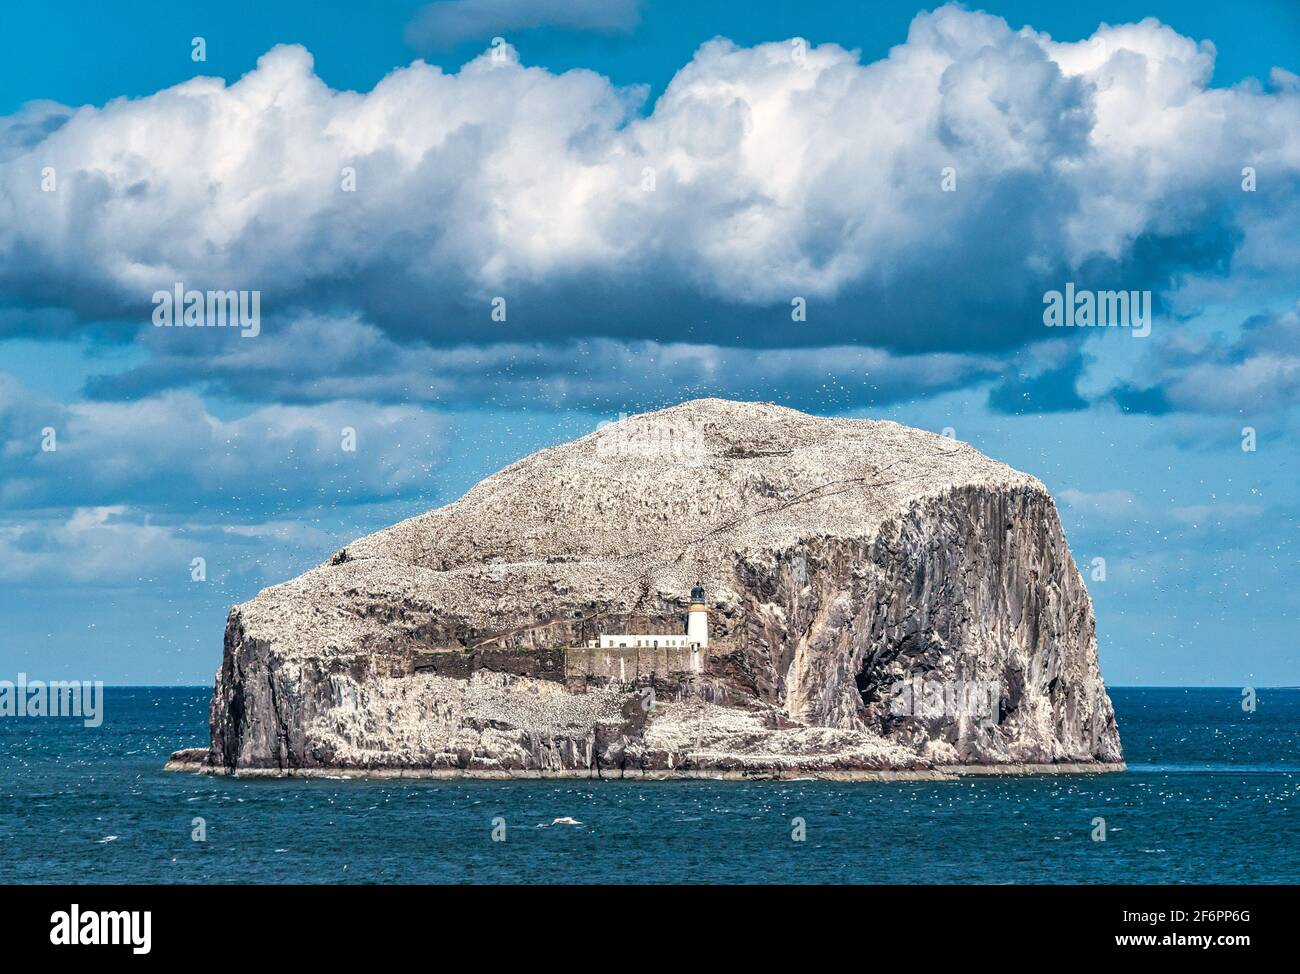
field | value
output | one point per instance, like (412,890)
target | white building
(696,635)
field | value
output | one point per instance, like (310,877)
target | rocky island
(877,601)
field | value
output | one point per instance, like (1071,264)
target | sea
(1211,795)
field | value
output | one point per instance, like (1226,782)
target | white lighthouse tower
(697,620)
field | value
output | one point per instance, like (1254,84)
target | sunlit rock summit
(863,598)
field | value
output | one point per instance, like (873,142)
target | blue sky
(1108,156)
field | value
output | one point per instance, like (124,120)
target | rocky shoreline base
(183,761)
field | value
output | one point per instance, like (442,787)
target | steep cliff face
(880,598)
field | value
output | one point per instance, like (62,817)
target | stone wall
(577,663)
(626,664)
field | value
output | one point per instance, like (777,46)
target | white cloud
(318,359)
(123,546)
(1213,515)
(1117,503)
(774,176)
(110,544)
(1252,375)
(170,453)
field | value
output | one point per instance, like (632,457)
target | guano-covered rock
(881,600)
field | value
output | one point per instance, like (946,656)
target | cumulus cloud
(316,359)
(777,171)
(110,545)
(1254,373)
(30,126)
(120,546)
(447,23)
(170,453)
